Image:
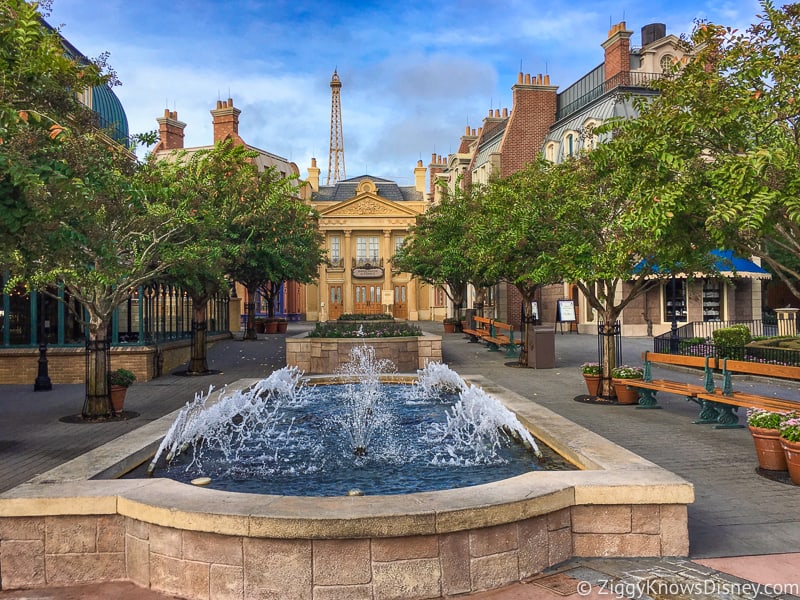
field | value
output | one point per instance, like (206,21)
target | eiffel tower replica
(336,170)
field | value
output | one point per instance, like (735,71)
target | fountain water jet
(280,436)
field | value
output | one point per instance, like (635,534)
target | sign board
(387,297)
(566,311)
(535,310)
(367,272)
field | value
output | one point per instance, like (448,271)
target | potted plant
(450,324)
(790,440)
(281,324)
(259,325)
(619,375)
(591,375)
(270,325)
(119,381)
(764,426)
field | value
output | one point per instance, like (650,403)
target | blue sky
(413,74)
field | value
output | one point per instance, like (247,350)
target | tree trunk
(609,362)
(97,404)
(250,307)
(198,361)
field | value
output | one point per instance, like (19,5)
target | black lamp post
(42,383)
(673,336)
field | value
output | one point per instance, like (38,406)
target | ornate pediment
(368,206)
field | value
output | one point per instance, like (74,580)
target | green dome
(112,116)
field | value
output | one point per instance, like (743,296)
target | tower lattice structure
(336,170)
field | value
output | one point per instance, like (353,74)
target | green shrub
(366,317)
(730,341)
(338,329)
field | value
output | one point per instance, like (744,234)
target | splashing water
(280,429)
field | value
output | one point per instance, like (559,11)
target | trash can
(541,347)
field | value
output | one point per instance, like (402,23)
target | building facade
(364,221)
(559,125)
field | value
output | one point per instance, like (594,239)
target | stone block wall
(65,550)
(325,355)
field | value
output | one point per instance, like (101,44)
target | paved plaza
(741,524)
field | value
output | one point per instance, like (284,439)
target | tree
(276,240)
(212,183)
(514,239)
(436,250)
(729,119)
(38,107)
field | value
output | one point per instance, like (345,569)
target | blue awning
(726,264)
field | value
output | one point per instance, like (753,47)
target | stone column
(323,297)
(347,291)
(387,255)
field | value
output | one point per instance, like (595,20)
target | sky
(414,74)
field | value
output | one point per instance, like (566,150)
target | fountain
(82,523)
(281,436)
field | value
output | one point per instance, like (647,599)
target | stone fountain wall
(70,526)
(314,355)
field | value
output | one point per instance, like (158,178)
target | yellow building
(364,221)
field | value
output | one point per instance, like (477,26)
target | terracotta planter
(593,384)
(270,326)
(259,326)
(625,395)
(791,450)
(117,394)
(449,327)
(281,326)
(768,448)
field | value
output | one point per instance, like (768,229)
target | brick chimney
(226,121)
(618,54)
(437,166)
(170,131)
(532,114)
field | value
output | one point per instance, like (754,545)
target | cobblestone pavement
(743,528)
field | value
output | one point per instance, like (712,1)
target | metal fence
(696,339)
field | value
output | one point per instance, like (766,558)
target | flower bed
(347,329)
(365,317)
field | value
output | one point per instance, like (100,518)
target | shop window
(675,300)
(712,300)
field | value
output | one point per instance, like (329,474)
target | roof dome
(112,116)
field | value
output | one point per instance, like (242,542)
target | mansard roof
(387,189)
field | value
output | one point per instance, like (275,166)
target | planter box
(325,355)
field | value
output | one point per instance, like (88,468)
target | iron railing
(625,79)
(696,339)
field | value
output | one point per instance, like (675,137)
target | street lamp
(673,336)
(42,383)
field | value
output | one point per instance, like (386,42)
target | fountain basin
(65,527)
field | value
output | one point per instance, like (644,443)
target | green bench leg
(512,351)
(727,418)
(493,347)
(647,399)
(708,412)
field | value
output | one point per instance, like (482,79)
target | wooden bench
(722,403)
(482,327)
(649,387)
(497,339)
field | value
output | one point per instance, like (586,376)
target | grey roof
(490,146)
(612,105)
(346,189)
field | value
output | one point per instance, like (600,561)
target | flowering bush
(366,317)
(757,417)
(790,429)
(344,329)
(627,372)
(590,368)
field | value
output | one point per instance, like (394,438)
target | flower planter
(449,327)
(259,326)
(791,451)
(768,448)
(270,327)
(592,384)
(281,326)
(117,394)
(625,395)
